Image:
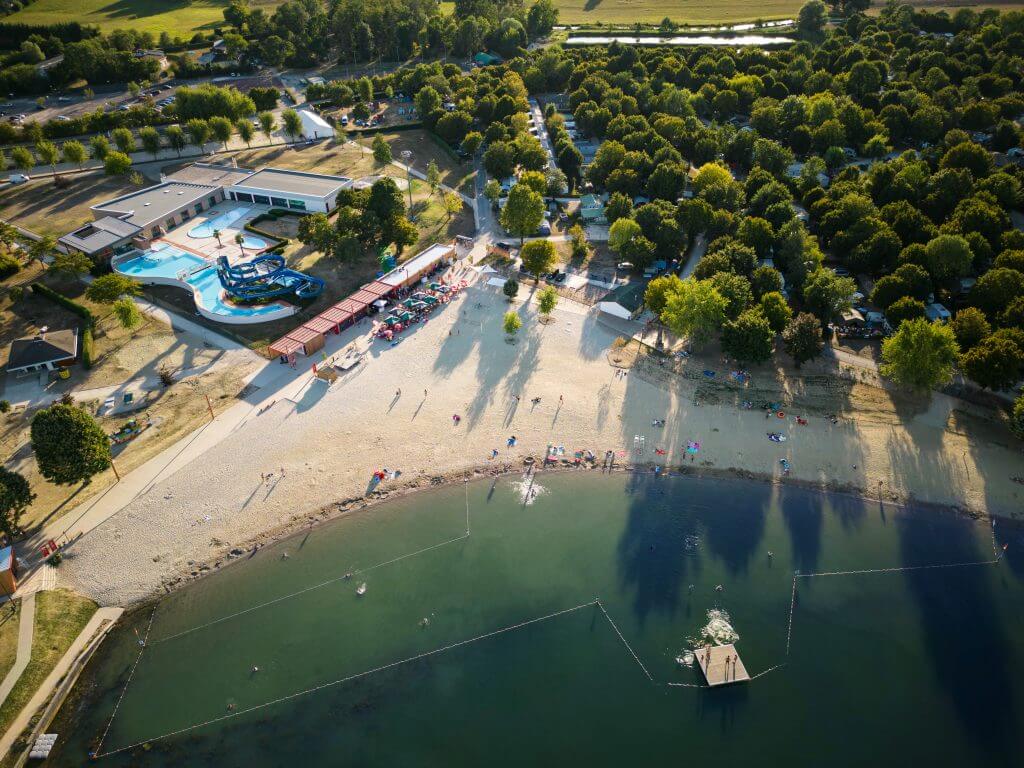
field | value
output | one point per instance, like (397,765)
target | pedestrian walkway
(26,631)
(102,620)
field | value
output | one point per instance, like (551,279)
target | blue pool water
(207,286)
(163,261)
(254,243)
(221,222)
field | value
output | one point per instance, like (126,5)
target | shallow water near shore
(492,648)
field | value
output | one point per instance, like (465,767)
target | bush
(9,265)
(5,406)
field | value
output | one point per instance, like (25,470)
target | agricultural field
(176,17)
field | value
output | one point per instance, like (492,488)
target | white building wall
(275,199)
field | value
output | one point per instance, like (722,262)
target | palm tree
(216,233)
(240,240)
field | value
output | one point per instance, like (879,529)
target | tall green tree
(802,338)
(69,445)
(48,154)
(920,355)
(695,310)
(523,212)
(176,138)
(267,124)
(108,288)
(995,363)
(198,131)
(547,299)
(291,123)
(150,139)
(22,159)
(73,152)
(117,164)
(127,314)
(538,256)
(15,497)
(99,147)
(222,129)
(245,131)
(124,140)
(749,338)
(381,150)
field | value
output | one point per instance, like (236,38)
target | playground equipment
(265,277)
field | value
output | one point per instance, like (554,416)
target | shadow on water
(653,556)
(964,634)
(722,707)
(804,519)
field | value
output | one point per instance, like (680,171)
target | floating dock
(721,665)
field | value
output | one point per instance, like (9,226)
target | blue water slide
(266,277)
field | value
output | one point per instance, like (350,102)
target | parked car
(18,178)
(544,230)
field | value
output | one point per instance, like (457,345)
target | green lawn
(60,617)
(177,17)
(10,613)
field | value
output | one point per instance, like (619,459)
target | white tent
(486,269)
(614,309)
(497,282)
(314,126)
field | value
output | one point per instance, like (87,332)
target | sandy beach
(313,457)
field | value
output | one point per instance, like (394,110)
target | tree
(748,338)
(127,314)
(907,308)
(452,204)
(802,338)
(292,123)
(764,280)
(221,128)
(264,98)
(150,139)
(621,234)
(920,355)
(1017,418)
(492,191)
(510,288)
(695,310)
(72,263)
(106,289)
(317,232)
(73,152)
(547,298)
(117,164)
(433,174)
(523,212)
(776,310)
(812,17)
(736,291)
(538,256)
(381,150)
(970,156)
(267,124)
(199,131)
(970,326)
(619,206)
(15,496)
(996,289)
(947,257)
(39,249)
(22,159)
(1013,315)
(124,140)
(500,159)
(511,324)
(175,138)
(826,294)
(99,147)
(658,290)
(48,154)
(70,446)
(245,131)
(995,363)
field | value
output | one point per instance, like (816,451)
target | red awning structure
(364,297)
(286,347)
(302,334)
(378,288)
(320,324)
(335,315)
(351,306)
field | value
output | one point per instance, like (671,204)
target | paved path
(26,630)
(102,617)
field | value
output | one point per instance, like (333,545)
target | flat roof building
(157,209)
(101,238)
(210,173)
(296,190)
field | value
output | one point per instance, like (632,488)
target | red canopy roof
(351,306)
(285,346)
(364,297)
(320,324)
(302,334)
(378,289)
(335,315)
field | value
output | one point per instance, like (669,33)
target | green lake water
(905,667)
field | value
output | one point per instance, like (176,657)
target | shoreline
(337,510)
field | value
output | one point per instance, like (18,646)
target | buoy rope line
(328,582)
(131,674)
(596,602)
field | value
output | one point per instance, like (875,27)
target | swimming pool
(221,222)
(254,243)
(166,264)
(209,291)
(164,260)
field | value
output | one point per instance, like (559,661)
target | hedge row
(76,308)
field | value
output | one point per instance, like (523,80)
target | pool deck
(717,670)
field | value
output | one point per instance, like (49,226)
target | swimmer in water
(690,589)
(770,554)
(719,588)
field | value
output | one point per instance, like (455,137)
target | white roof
(614,309)
(419,262)
(497,282)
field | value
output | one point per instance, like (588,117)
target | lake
(503,647)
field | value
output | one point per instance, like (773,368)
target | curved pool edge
(283,311)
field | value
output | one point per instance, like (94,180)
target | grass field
(43,207)
(60,617)
(177,17)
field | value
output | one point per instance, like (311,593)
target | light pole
(407,159)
